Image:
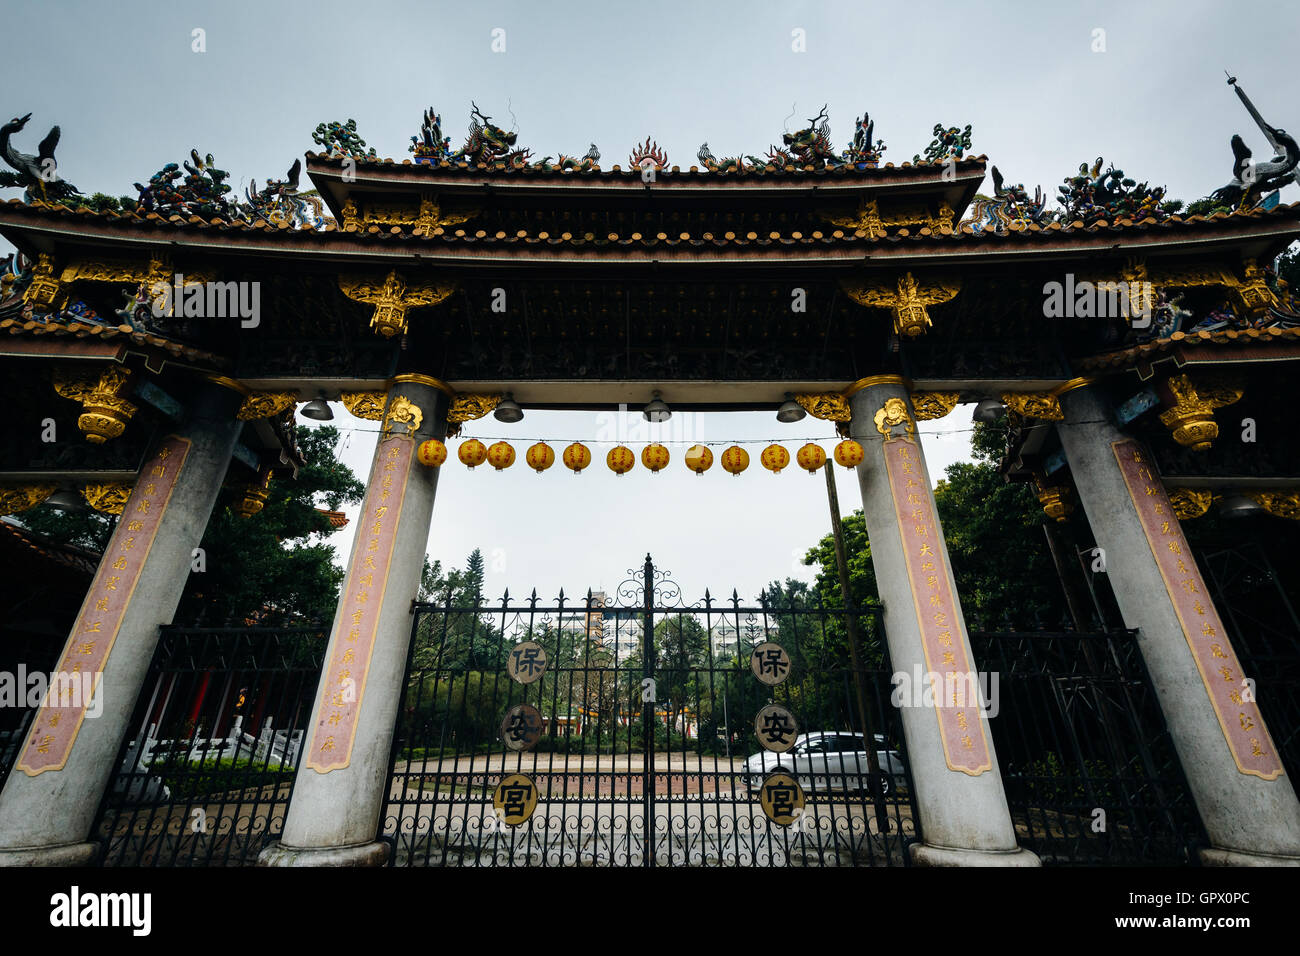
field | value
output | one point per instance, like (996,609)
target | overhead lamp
(657,410)
(66,501)
(318,409)
(988,411)
(790,410)
(1240,506)
(508,410)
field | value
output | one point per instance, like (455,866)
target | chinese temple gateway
(1137,354)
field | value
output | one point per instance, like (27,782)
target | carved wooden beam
(392,296)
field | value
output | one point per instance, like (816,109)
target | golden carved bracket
(1191,503)
(1280,504)
(392,296)
(828,406)
(1056,502)
(15,498)
(1190,416)
(1043,406)
(365,404)
(931,405)
(48,293)
(265,405)
(908,299)
(468,408)
(109,498)
(105,411)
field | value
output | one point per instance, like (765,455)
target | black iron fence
(643,733)
(1090,771)
(205,775)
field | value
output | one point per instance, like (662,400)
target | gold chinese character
(1246,722)
(335,717)
(1255,750)
(347,657)
(119,564)
(87,648)
(158,471)
(961,719)
(151,489)
(1216,648)
(135,526)
(967,742)
(1173,546)
(143,506)
(1227,674)
(936,600)
(94,627)
(948,658)
(327,745)
(101,604)
(110,584)
(1190,586)
(926,550)
(945,638)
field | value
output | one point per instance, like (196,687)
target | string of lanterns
(621,459)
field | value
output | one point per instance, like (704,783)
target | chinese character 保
(527,659)
(772,662)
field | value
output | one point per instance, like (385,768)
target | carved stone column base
(1214,856)
(361,854)
(925,855)
(62,854)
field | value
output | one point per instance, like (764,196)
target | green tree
(265,567)
(1000,559)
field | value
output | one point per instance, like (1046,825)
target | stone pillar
(342,782)
(964,816)
(49,802)
(1246,802)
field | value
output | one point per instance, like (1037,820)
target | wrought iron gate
(205,776)
(636,729)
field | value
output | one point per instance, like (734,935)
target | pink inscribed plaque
(81,665)
(1232,696)
(947,660)
(356,627)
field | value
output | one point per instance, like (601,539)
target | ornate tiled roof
(121,334)
(1101,232)
(1251,345)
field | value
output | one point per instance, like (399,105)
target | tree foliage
(271,568)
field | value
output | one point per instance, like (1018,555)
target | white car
(829,760)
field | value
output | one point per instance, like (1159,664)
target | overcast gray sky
(1043,89)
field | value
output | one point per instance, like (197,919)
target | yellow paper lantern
(699,459)
(735,459)
(811,456)
(540,457)
(577,456)
(774,458)
(472,453)
(620,459)
(654,457)
(501,455)
(431,453)
(849,453)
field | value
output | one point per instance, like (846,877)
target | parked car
(829,760)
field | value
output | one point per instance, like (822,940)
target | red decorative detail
(644,151)
(55,728)
(1233,699)
(943,639)
(356,627)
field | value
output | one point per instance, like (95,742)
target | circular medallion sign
(527,662)
(776,728)
(515,799)
(782,798)
(770,663)
(522,727)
